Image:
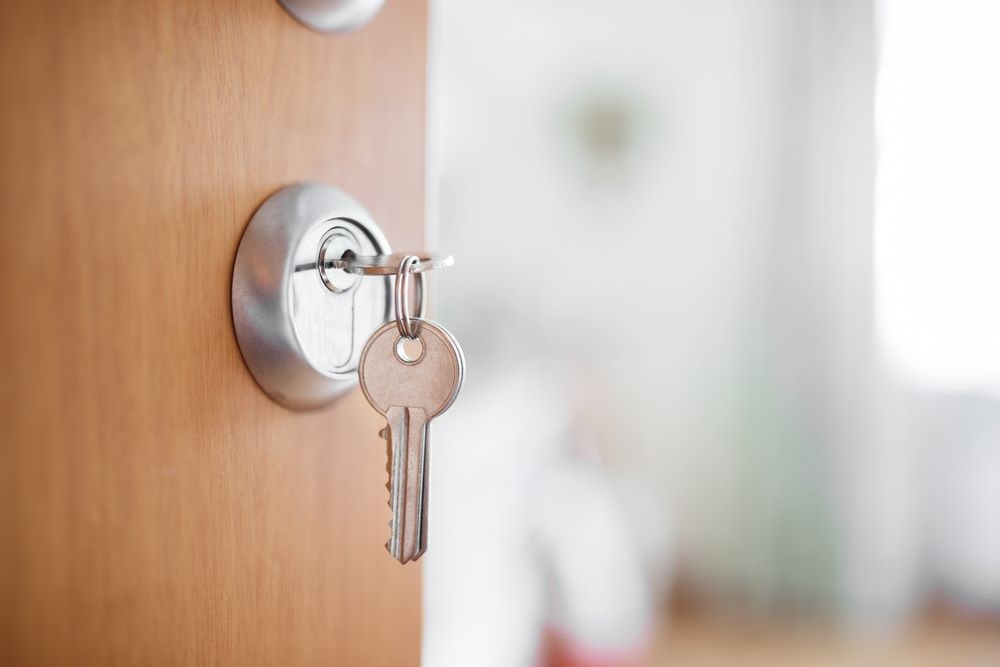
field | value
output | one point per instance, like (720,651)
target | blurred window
(938,196)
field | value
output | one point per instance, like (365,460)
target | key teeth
(385,435)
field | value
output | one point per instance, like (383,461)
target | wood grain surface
(155,506)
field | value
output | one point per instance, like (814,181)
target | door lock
(311,282)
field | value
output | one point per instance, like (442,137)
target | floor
(703,642)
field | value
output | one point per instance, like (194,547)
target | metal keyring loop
(401,297)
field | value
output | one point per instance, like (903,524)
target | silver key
(410,394)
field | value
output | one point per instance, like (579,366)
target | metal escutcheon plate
(301,334)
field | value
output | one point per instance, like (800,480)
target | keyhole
(409,350)
(337,244)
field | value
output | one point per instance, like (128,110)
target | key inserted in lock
(339,244)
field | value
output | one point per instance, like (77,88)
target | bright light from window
(938,197)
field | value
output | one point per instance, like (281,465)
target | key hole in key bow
(409,350)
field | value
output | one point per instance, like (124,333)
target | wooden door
(155,506)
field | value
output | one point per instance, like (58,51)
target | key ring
(387,265)
(401,296)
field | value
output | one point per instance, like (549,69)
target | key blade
(407,482)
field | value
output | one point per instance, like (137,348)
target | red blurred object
(562,650)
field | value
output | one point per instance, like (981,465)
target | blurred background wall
(664,217)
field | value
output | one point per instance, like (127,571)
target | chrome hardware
(332,15)
(401,294)
(301,333)
(310,284)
